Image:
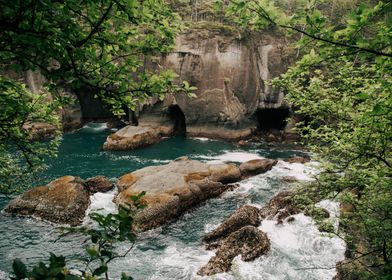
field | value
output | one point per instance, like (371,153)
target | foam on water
(101,203)
(333,209)
(3,275)
(301,251)
(95,127)
(298,249)
(302,172)
(203,139)
(175,251)
(231,157)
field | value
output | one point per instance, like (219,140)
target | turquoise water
(171,252)
(81,154)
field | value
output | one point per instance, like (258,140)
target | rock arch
(272,118)
(177,117)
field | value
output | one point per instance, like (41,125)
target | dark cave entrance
(176,115)
(272,119)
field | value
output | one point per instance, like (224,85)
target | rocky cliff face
(230,73)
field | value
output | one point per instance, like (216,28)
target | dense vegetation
(109,47)
(103,46)
(340,86)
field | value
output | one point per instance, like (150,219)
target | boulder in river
(249,242)
(256,166)
(63,200)
(174,188)
(133,137)
(40,130)
(280,206)
(243,216)
(289,179)
(98,184)
(298,159)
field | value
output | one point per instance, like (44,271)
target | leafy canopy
(110,47)
(341,86)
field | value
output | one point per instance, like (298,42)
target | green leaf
(100,270)
(19,269)
(125,277)
(71,277)
(92,251)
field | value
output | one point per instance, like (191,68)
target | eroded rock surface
(132,137)
(98,184)
(256,166)
(249,242)
(63,200)
(280,207)
(174,188)
(243,216)
(298,159)
(40,130)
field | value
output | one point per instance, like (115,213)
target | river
(298,250)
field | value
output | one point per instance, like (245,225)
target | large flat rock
(63,200)
(133,137)
(174,188)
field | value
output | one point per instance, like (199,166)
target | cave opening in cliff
(269,119)
(177,116)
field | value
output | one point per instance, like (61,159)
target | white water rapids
(298,250)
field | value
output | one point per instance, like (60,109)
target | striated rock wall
(230,71)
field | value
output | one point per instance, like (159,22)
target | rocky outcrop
(290,179)
(132,137)
(98,184)
(298,159)
(256,166)
(40,130)
(244,216)
(230,71)
(71,114)
(280,207)
(63,200)
(174,188)
(249,242)
(238,234)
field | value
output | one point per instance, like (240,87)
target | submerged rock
(98,184)
(115,123)
(133,137)
(280,207)
(289,179)
(243,216)
(256,166)
(63,200)
(298,159)
(40,130)
(249,242)
(174,188)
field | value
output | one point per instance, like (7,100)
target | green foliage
(102,238)
(111,47)
(20,155)
(100,44)
(55,270)
(342,89)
